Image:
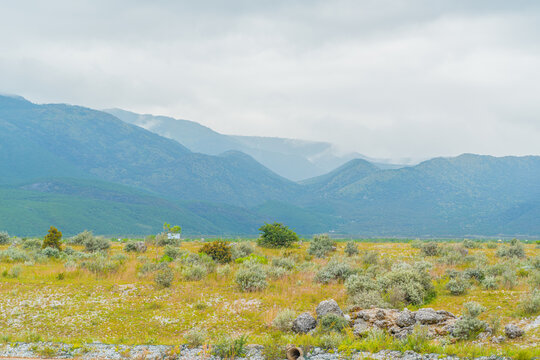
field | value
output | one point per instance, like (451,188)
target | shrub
(332,322)
(370,257)
(474,273)
(530,304)
(224,270)
(52,239)
(469,326)
(164,240)
(32,244)
(368,299)
(194,272)
(413,283)
(219,251)
(96,243)
(430,249)
(275,272)
(492,245)
(276,235)
(335,270)
(514,250)
(50,252)
(241,250)
(284,320)
(80,238)
(490,283)
(282,262)
(351,249)
(4,238)
(99,265)
(164,277)
(457,286)
(135,246)
(195,337)
(469,244)
(360,283)
(331,341)
(509,279)
(172,252)
(14,255)
(251,277)
(321,246)
(229,348)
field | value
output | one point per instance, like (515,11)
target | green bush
(469,326)
(413,282)
(490,283)
(351,249)
(96,244)
(219,251)
(241,250)
(135,246)
(284,320)
(457,286)
(32,244)
(229,348)
(194,272)
(430,249)
(284,262)
(530,304)
(514,250)
(172,252)
(360,283)
(164,277)
(332,322)
(251,277)
(254,258)
(13,254)
(276,235)
(4,238)
(469,244)
(52,239)
(80,238)
(195,337)
(51,252)
(321,246)
(336,270)
(370,257)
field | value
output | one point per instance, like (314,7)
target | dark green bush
(229,348)
(276,235)
(430,249)
(52,239)
(332,322)
(219,251)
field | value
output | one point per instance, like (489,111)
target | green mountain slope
(63,140)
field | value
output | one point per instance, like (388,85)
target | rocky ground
(154,352)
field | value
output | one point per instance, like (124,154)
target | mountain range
(117,172)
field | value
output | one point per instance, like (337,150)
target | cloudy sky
(387,78)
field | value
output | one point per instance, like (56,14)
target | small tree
(52,239)
(276,235)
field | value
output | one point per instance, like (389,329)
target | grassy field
(113,296)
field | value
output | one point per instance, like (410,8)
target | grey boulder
(304,323)
(513,331)
(405,318)
(328,307)
(428,316)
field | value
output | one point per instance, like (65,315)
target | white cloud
(385,78)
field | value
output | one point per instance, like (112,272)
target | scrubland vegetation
(160,290)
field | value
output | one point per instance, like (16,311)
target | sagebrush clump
(321,246)
(351,249)
(251,277)
(284,320)
(336,270)
(469,326)
(4,238)
(164,277)
(219,251)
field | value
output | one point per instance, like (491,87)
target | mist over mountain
(79,168)
(291,158)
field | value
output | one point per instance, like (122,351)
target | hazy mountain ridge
(80,168)
(291,158)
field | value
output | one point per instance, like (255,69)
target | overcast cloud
(393,79)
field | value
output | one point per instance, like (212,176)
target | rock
(513,331)
(446,314)
(328,307)
(304,323)
(405,318)
(347,317)
(360,327)
(533,325)
(428,316)
(364,315)
(497,339)
(382,324)
(380,314)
